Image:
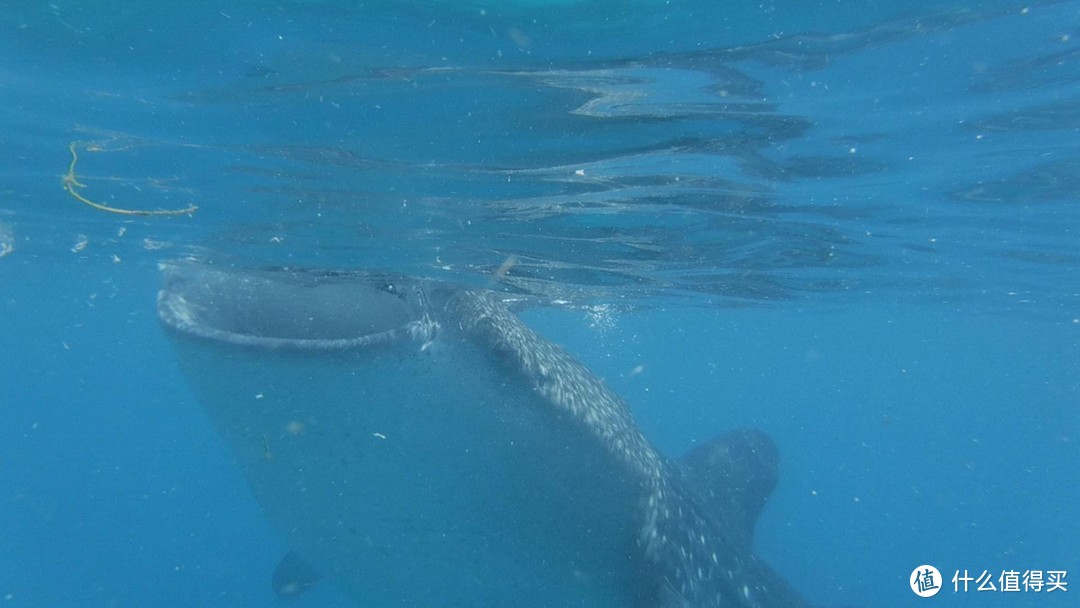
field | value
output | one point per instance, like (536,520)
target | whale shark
(414,443)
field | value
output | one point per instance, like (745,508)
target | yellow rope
(70,183)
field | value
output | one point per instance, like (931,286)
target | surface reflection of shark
(419,446)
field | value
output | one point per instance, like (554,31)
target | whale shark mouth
(414,443)
(300,310)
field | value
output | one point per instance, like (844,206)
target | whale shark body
(418,445)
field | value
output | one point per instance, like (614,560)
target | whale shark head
(417,444)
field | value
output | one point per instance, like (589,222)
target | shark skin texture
(415,444)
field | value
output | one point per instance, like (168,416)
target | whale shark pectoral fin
(293,576)
(734,474)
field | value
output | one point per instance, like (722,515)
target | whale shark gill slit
(418,444)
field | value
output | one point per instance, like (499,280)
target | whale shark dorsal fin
(733,475)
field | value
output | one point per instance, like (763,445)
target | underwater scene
(550,303)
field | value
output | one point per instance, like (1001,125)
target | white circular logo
(925,581)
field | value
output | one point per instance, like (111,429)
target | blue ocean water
(855,227)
